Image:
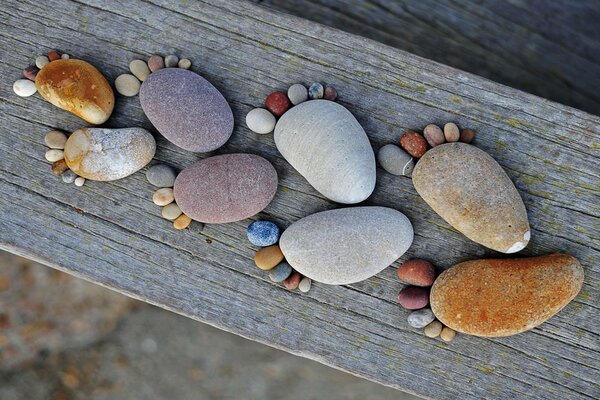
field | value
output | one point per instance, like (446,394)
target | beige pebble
(127,85)
(55,140)
(54,155)
(41,61)
(451,132)
(64,56)
(171,211)
(433,329)
(182,222)
(79,181)
(163,196)
(184,63)
(447,334)
(24,88)
(140,69)
(305,284)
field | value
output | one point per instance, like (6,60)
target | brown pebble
(433,329)
(447,334)
(434,135)
(31,72)
(292,281)
(467,135)
(330,93)
(156,62)
(278,103)
(451,132)
(182,222)
(414,144)
(59,167)
(413,297)
(53,55)
(417,272)
(268,257)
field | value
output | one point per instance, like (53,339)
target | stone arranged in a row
(129,84)
(417,144)
(163,176)
(56,141)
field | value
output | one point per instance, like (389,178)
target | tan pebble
(163,196)
(171,211)
(140,69)
(467,135)
(41,61)
(451,132)
(182,222)
(60,166)
(268,257)
(447,334)
(54,155)
(433,329)
(305,284)
(55,140)
(184,63)
(127,85)
(79,181)
(64,56)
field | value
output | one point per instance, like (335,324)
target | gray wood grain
(112,234)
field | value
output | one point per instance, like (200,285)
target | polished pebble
(59,167)
(184,63)
(156,62)
(69,176)
(182,222)
(434,135)
(330,93)
(127,85)
(414,144)
(278,103)
(55,140)
(263,233)
(447,334)
(163,196)
(267,258)
(451,132)
(24,88)
(161,175)
(421,318)
(171,61)
(171,211)
(417,272)
(305,284)
(53,55)
(467,135)
(297,93)
(79,181)
(53,155)
(433,329)
(65,56)
(292,281)
(280,272)
(31,72)
(260,121)
(395,160)
(140,69)
(41,61)
(413,297)
(316,91)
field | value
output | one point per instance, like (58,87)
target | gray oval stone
(346,245)
(280,273)
(325,143)
(186,109)
(421,318)
(395,160)
(161,175)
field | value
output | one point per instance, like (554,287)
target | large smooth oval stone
(225,188)
(78,87)
(103,154)
(346,245)
(502,297)
(471,191)
(325,143)
(186,109)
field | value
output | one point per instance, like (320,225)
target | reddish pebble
(330,93)
(417,272)
(278,103)
(414,144)
(31,72)
(53,55)
(156,62)
(466,136)
(59,167)
(293,281)
(413,297)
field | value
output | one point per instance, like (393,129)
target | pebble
(127,85)
(451,132)
(268,257)
(277,103)
(292,282)
(447,334)
(53,55)
(53,155)
(41,61)
(182,222)
(31,72)
(171,61)
(24,88)
(161,175)
(171,211)
(395,160)
(421,318)
(433,329)
(260,121)
(65,56)
(263,233)
(414,144)
(163,196)
(297,93)
(280,272)
(196,227)
(434,135)
(155,62)
(140,69)
(330,93)
(184,63)
(55,140)
(315,91)
(305,284)
(59,167)
(417,272)
(69,176)
(413,297)
(79,181)
(467,135)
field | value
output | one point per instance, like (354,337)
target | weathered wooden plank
(112,234)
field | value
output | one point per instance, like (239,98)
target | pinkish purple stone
(186,109)
(225,188)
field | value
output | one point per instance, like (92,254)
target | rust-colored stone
(278,103)
(59,167)
(417,272)
(414,144)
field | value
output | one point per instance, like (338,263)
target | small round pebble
(31,72)
(41,61)
(163,196)
(24,88)
(182,222)
(184,63)
(316,91)
(161,175)
(421,318)
(433,329)
(297,93)
(69,176)
(65,56)
(278,103)
(292,281)
(467,135)
(417,272)
(263,233)
(330,93)
(395,160)
(171,61)
(447,334)
(127,85)
(59,167)
(451,132)
(268,257)
(53,155)
(55,140)
(171,211)
(305,284)
(434,135)
(280,273)
(53,55)
(156,62)
(413,297)
(139,69)
(260,121)
(79,181)
(414,144)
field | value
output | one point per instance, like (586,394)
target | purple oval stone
(225,188)
(186,109)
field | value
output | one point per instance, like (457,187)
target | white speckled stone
(53,155)
(80,180)
(395,160)
(346,245)
(325,143)
(261,121)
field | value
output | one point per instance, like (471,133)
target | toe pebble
(53,155)
(171,61)
(161,175)
(127,85)
(292,282)
(184,63)
(280,272)
(447,334)
(24,88)
(139,69)
(315,91)
(55,140)
(467,135)
(182,222)
(297,93)
(171,211)
(305,284)
(163,196)
(69,176)
(59,167)
(53,55)
(79,181)
(41,61)
(433,329)
(260,121)
(451,132)
(330,93)
(156,62)
(278,103)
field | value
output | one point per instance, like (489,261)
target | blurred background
(62,338)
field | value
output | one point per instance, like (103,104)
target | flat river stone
(471,191)
(225,188)
(186,109)
(325,143)
(101,154)
(502,297)
(346,245)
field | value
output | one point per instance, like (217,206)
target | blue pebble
(263,233)
(280,273)
(315,91)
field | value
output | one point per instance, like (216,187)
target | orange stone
(267,258)
(503,297)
